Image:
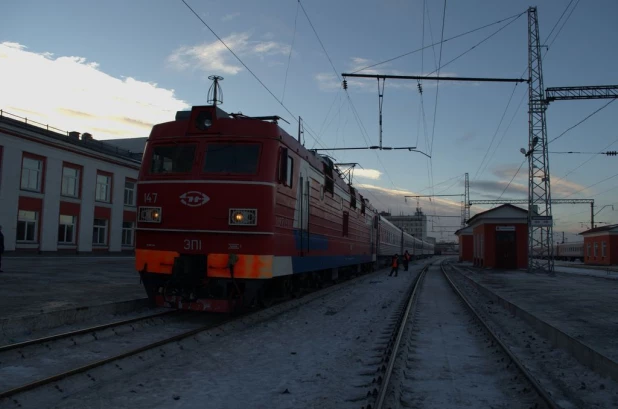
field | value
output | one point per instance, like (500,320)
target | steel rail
(400,331)
(55,337)
(535,384)
(32,385)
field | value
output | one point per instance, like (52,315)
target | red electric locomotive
(234,211)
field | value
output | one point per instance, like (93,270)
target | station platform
(33,284)
(583,307)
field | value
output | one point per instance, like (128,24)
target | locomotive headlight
(149,214)
(243,217)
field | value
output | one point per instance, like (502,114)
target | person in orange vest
(395,265)
(406,260)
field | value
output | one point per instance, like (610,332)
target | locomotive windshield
(239,158)
(172,159)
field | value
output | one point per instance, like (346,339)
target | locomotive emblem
(193,198)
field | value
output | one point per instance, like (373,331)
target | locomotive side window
(231,158)
(172,159)
(290,171)
(286,168)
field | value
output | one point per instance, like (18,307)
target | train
(566,251)
(233,213)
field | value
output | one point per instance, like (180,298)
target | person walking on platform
(394,265)
(1,247)
(406,260)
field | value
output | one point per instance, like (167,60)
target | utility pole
(467,200)
(540,222)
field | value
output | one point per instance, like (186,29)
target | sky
(116,68)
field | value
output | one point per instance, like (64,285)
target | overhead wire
(493,138)
(424,47)
(580,122)
(358,119)
(513,178)
(563,24)
(290,54)
(310,131)
(492,156)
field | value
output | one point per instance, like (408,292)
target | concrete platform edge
(10,326)
(583,353)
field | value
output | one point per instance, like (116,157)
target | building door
(506,249)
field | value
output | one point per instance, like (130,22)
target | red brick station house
(496,238)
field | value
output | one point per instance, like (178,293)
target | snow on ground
(31,285)
(583,308)
(309,357)
(450,363)
(571,384)
(610,274)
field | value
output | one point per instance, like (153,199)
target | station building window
(99,232)
(603,245)
(129,193)
(596,248)
(66,229)
(27,223)
(70,181)
(128,233)
(103,190)
(31,174)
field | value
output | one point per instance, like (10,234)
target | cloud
(70,93)
(392,200)
(230,16)
(518,188)
(214,56)
(372,174)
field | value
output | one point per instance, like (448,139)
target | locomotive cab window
(172,159)
(231,158)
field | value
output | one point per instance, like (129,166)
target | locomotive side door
(304,193)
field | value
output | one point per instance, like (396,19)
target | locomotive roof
(238,124)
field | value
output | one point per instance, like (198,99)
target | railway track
(446,342)
(39,381)
(29,364)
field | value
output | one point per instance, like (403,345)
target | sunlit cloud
(215,57)
(372,174)
(70,93)
(518,187)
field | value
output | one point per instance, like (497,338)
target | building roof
(501,211)
(135,145)
(9,120)
(610,229)
(464,230)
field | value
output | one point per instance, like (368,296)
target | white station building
(60,191)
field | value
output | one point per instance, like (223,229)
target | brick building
(601,245)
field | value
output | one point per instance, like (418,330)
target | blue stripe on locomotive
(316,241)
(313,263)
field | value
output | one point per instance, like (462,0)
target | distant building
(415,224)
(601,245)
(60,191)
